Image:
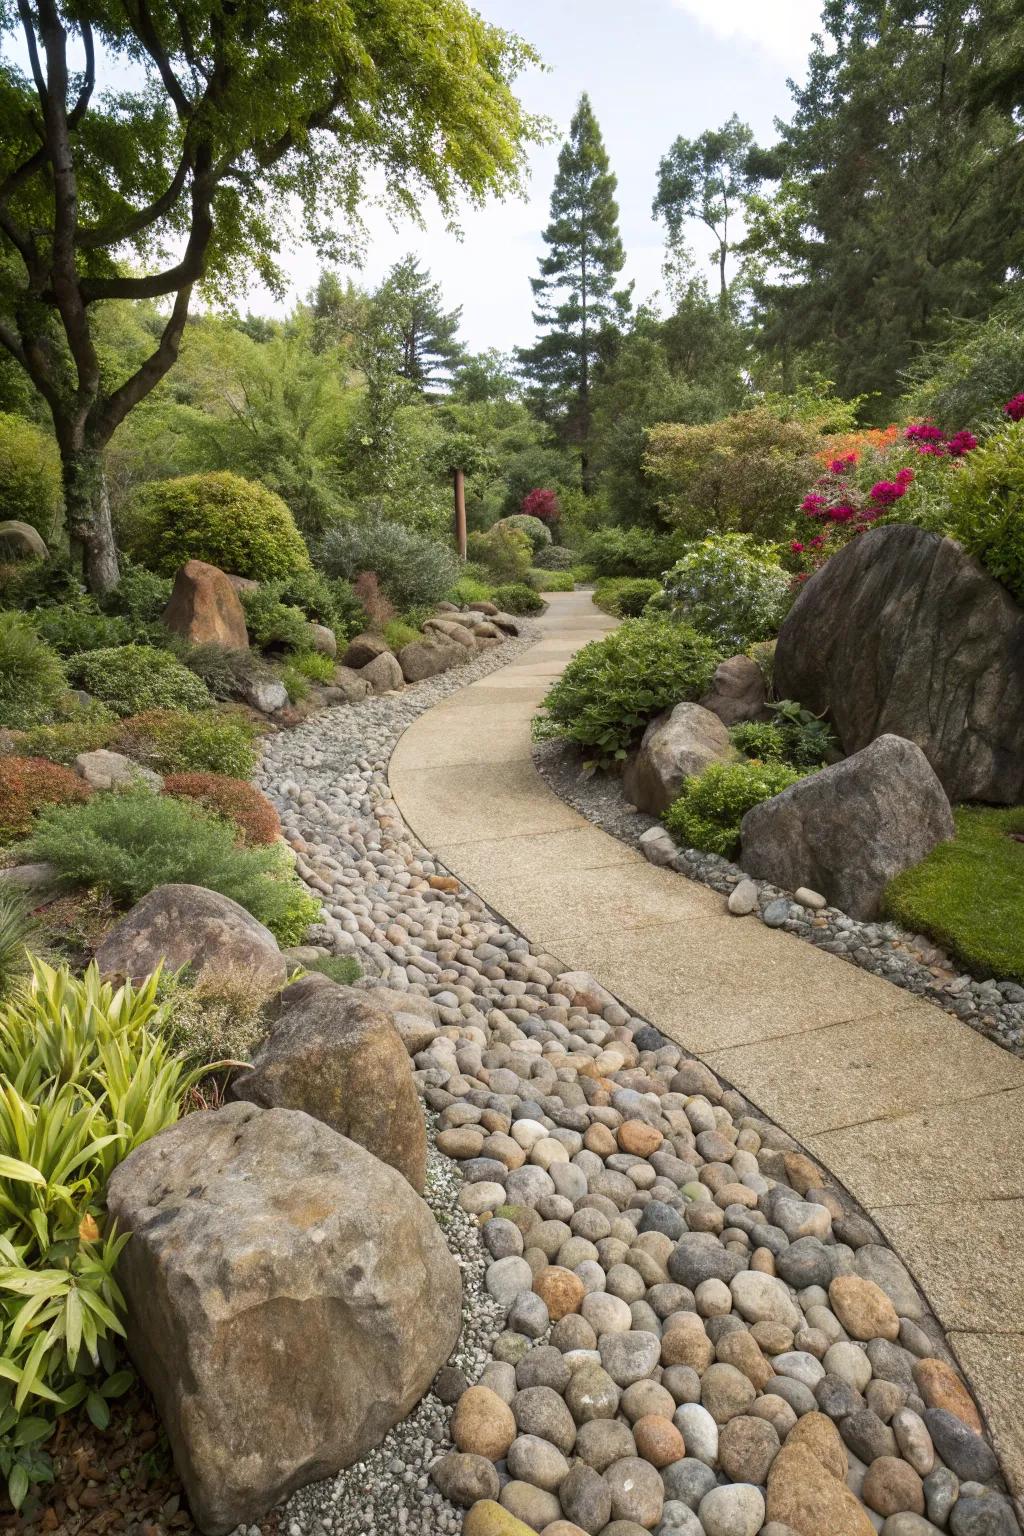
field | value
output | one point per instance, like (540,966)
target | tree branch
(146,377)
(154,47)
(101,235)
(29,26)
(89,80)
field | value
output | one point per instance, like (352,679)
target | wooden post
(460,512)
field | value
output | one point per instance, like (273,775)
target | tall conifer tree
(578,306)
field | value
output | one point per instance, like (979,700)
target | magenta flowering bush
(1014,408)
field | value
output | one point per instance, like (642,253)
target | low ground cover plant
(29,783)
(32,677)
(170,741)
(250,813)
(613,688)
(731,588)
(712,804)
(967,894)
(132,678)
(235,524)
(129,842)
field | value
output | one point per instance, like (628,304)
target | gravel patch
(994,1008)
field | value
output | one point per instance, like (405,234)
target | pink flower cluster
(885,492)
(928,438)
(1015,408)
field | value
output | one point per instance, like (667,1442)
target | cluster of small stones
(994,1008)
(702,1338)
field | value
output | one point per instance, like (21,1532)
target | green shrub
(470,589)
(80,626)
(554,557)
(537,532)
(85,1077)
(398,632)
(130,842)
(227,674)
(760,739)
(968,894)
(315,665)
(628,552)
(30,479)
(214,1019)
(18,931)
(323,600)
(986,507)
(742,474)
(410,567)
(808,740)
(229,522)
(87,728)
(171,741)
(32,678)
(517,597)
(730,588)
(274,625)
(551,581)
(625,597)
(613,688)
(504,552)
(140,595)
(709,810)
(134,678)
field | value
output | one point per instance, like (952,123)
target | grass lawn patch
(968,894)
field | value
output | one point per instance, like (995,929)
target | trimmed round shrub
(30,479)
(554,557)
(133,678)
(235,524)
(32,678)
(625,597)
(249,812)
(504,552)
(411,568)
(538,534)
(986,507)
(517,597)
(29,783)
(170,741)
(613,688)
(708,813)
(730,588)
(131,842)
(551,581)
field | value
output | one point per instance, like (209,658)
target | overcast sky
(653,69)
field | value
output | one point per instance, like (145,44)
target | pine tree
(578,307)
(427,332)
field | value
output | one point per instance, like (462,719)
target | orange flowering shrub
(28,783)
(234,799)
(841,444)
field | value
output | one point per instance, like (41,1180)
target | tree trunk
(723,291)
(459,478)
(88,513)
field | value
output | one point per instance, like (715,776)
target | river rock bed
(703,1336)
(994,1008)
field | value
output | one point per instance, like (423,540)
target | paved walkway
(921,1118)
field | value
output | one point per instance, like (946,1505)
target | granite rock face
(289,1299)
(684,741)
(902,633)
(336,1055)
(189,925)
(737,691)
(847,830)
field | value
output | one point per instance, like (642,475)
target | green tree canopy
(577,303)
(151,147)
(707,178)
(427,332)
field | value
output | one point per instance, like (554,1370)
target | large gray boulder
(737,691)
(684,741)
(338,1056)
(847,830)
(383,673)
(902,632)
(364,648)
(189,925)
(289,1297)
(427,658)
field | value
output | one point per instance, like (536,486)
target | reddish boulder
(205,608)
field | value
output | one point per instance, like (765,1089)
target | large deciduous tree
(577,302)
(147,146)
(900,184)
(707,179)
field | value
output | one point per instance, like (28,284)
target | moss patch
(968,895)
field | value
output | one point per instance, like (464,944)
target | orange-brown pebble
(735,1194)
(460,1141)
(941,1387)
(802,1173)
(442,883)
(763,1260)
(639,1138)
(560,1290)
(657,1440)
(599,1140)
(482,1424)
(687,1344)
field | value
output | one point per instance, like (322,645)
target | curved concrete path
(919,1116)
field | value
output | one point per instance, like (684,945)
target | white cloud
(781,28)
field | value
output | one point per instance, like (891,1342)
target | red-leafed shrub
(234,799)
(26,784)
(541,503)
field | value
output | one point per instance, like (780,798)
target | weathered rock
(364,648)
(450,629)
(804,1496)
(31,877)
(464,1478)
(850,828)
(349,685)
(737,691)
(426,658)
(112,770)
(205,608)
(902,632)
(383,673)
(677,744)
(339,1058)
(324,639)
(182,925)
(266,694)
(31,541)
(289,1299)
